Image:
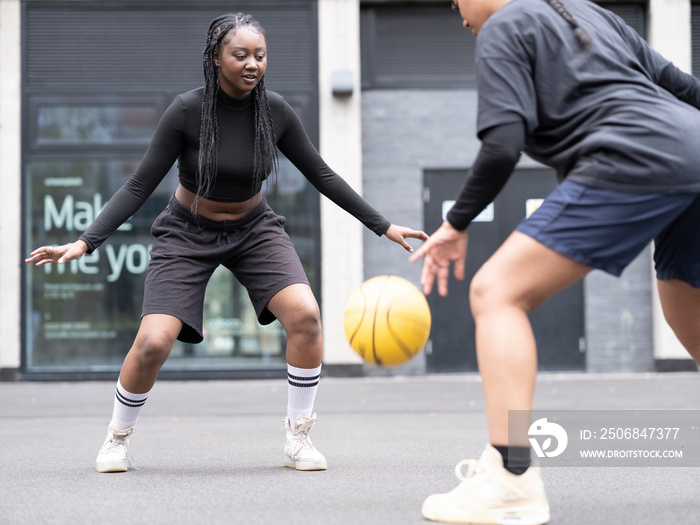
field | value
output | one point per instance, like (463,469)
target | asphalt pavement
(210,452)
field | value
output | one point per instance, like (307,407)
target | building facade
(386,91)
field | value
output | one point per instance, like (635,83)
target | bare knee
(490,291)
(152,348)
(484,292)
(305,324)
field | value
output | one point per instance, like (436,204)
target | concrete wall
(341,147)
(10,173)
(670,35)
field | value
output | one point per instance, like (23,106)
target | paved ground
(210,452)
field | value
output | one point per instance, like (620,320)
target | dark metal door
(558,324)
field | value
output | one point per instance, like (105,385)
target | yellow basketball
(387,320)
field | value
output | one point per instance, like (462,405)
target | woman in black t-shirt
(578,90)
(224,137)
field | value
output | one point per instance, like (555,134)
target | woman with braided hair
(575,88)
(224,136)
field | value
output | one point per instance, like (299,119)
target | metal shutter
(416,47)
(426,47)
(124,46)
(695,39)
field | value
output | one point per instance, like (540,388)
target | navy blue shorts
(607,229)
(188,248)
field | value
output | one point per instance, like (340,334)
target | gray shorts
(188,248)
(607,229)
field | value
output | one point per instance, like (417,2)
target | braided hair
(584,39)
(264,149)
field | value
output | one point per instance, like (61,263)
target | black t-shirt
(177,138)
(599,117)
(618,116)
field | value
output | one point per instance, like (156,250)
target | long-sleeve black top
(177,138)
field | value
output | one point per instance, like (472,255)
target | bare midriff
(216,210)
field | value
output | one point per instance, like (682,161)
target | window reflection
(84,314)
(74,124)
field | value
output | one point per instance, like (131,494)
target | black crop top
(177,138)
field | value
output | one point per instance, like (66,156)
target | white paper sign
(486,215)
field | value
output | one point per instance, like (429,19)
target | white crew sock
(127,407)
(302,386)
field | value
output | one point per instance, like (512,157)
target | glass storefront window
(61,124)
(83,316)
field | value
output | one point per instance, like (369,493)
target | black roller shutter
(424,46)
(118,46)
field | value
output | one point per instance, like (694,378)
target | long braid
(584,39)
(265,150)
(207,164)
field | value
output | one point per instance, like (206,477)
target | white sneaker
(113,456)
(489,494)
(299,452)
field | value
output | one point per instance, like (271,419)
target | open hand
(57,254)
(446,245)
(399,234)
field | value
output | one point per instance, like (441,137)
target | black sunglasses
(454,6)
